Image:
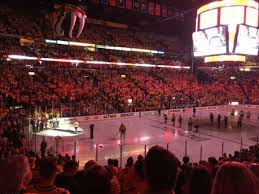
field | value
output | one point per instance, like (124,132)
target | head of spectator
(255,169)
(109,170)
(213,166)
(67,157)
(212,161)
(110,162)
(90,164)
(139,169)
(48,169)
(199,181)
(96,180)
(70,167)
(235,178)
(130,162)
(203,163)
(160,169)
(186,160)
(140,157)
(15,174)
(116,163)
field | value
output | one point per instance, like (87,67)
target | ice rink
(143,132)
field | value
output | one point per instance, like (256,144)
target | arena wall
(254,109)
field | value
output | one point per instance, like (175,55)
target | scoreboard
(226,29)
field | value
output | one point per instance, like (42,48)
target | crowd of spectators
(12,22)
(78,89)
(107,90)
(160,172)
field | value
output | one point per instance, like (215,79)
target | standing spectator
(79,175)
(186,161)
(76,125)
(15,174)
(48,169)
(173,119)
(161,170)
(239,122)
(91,131)
(219,119)
(122,131)
(242,113)
(235,178)
(226,121)
(115,185)
(180,120)
(128,176)
(211,118)
(140,184)
(190,124)
(199,181)
(165,118)
(255,170)
(95,180)
(43,147)
(213,166)
(194,111)
(183,175)
(67,178)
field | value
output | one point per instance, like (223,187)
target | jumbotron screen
(210,41)
(247,40)
(227,29)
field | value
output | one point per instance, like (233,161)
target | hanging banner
(169,11)
(129,4)
(157,9)
(143,6)
(112,3)
(151,8)
(164,11)
(120,3)
(136,5)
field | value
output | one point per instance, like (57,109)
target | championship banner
(169,11)
(136,5)
(151,8)
(129,4)
(120,3)
(164,11)
(157,9)
(112,3)
(143,6)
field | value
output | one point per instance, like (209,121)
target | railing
(194,145)
(82,109)
(84,149)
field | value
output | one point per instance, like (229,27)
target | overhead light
(130,101)
(50,41)
(21,57)
(77,61)
(81,44)
(62,42)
